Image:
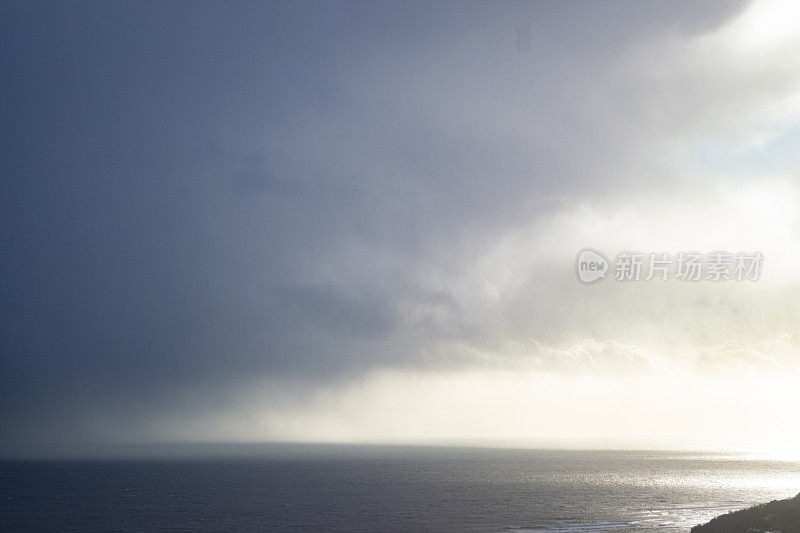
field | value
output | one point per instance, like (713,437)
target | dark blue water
(379,489)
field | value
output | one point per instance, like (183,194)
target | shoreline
(781,516)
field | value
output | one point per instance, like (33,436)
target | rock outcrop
(778,516)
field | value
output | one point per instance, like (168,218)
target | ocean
(390,489)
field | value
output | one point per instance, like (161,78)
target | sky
(359,222)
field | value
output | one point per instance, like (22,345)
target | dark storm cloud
(196,193)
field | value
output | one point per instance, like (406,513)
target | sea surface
(390,489)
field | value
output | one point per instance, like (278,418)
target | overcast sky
(358,222)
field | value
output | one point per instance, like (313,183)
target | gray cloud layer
(197,195)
